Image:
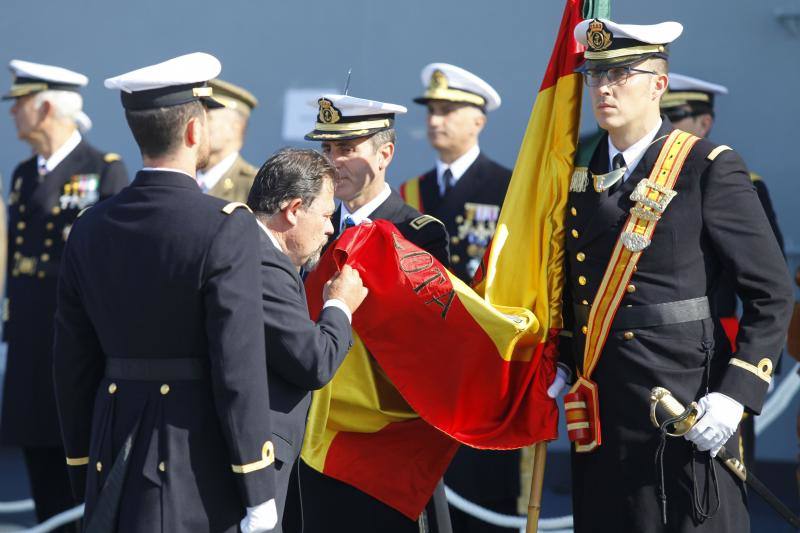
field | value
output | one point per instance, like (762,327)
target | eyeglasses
(615,76)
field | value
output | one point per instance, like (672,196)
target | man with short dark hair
(292,198)
(64,176)
(357,135)
(652,222)
(159,366)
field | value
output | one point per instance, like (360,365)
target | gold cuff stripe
(267,458)
(77,461)
(622,52)
(577,425)
(718,150)
(575,405)
(763,370)
(347,126)
(454,95)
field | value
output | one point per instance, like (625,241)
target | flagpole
(537,480)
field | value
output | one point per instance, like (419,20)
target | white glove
(558,383)
(262,517)
(719,417)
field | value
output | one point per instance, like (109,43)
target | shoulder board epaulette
(82,211)
(754,177)
(229,208)
(422,221)
(110,157)
(718,150)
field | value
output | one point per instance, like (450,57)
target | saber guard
(681,419)
(582,411)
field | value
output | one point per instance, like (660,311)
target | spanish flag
(433,365)
(436,363)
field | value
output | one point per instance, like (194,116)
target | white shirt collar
(365,210)
(457,167)
(59,155)
(270,235)
(634,153)
(167,169)
(210,177)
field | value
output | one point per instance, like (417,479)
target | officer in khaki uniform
(465,190)
(651,222)
(689,105)
(227,175)
(65,175)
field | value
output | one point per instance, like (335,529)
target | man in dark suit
(292,198)
(65,175)
(228,175)
(689,105)
(660,216)
(358,137)
(160,374)
(465,190)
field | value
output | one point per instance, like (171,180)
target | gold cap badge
(438,81)
(597,36)
(328,114)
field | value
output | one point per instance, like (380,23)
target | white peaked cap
(681,82)
(187,69)
(661,33)
(443,81)
(48,73)
(343,117)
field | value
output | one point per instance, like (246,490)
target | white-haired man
(48,190)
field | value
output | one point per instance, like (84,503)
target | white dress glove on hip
(262,517)
(719,417)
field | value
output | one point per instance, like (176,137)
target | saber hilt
(679,419)
(663,402)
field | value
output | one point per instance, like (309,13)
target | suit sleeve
(78,367)
(236,352)
(304,353)
(114,179)
(566,346)
(743,239)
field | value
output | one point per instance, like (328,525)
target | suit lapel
(593,215)
(47,194)
(429,192)
(388,209)
(466,185)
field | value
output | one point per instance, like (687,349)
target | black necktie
(447,177)
(617,162)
